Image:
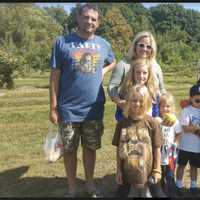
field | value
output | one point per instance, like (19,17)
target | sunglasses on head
(141,45)
(197,100)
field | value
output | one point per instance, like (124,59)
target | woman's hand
(120,102)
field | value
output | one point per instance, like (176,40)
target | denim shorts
(89,132)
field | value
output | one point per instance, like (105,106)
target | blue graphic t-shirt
(81,94)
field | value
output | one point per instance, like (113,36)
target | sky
(68,6)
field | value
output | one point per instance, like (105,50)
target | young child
(170,134)
(140,73)
(186,102)
(189,147)
(138,140)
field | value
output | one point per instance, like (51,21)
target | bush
(8,64)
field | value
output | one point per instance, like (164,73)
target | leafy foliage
(59,14)
(118,32)
(27,33)
(8,63)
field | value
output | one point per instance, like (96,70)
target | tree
(28,32)
(137,16)
(116,30)
(8,63)
(60,15)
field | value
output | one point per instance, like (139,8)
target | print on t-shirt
(166,140)
(86,57)
(195,120)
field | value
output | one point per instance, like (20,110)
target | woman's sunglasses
(141,45)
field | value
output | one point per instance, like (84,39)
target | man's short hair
(88,6)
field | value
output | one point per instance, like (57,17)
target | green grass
(23,126)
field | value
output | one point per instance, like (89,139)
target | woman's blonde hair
(141,92)
(131,55)
(169,99)
(129,81)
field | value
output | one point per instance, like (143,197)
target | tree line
(27,33)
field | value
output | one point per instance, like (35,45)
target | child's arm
(178,131)
(119,179)
(156,172)
(177,138)
(187,125)
(192,128)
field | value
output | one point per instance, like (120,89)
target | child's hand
(169,119)
(119,179)
(197,132)
(167,123)
(158,119)
(156,175)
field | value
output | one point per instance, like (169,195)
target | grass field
(23,126)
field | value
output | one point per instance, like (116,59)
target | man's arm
(53,92)
(108,68)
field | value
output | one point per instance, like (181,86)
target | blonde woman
(143,46)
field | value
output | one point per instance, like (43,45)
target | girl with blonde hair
(138,139)
(170,130)
(133,76)
(140,73)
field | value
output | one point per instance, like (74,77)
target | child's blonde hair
(168,98)
(142,93)
(129,81)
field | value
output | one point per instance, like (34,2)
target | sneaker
(194,191)
(179,191)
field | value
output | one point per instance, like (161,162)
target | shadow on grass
(178,82)
(13,184)
(42,86)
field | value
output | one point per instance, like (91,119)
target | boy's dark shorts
(185,156)
(89,132)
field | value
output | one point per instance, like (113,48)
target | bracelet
(157,171)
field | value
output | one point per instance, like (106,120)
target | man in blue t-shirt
(79,62)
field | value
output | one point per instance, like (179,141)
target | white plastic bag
(53,146)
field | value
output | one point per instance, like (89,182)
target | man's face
(88,22)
